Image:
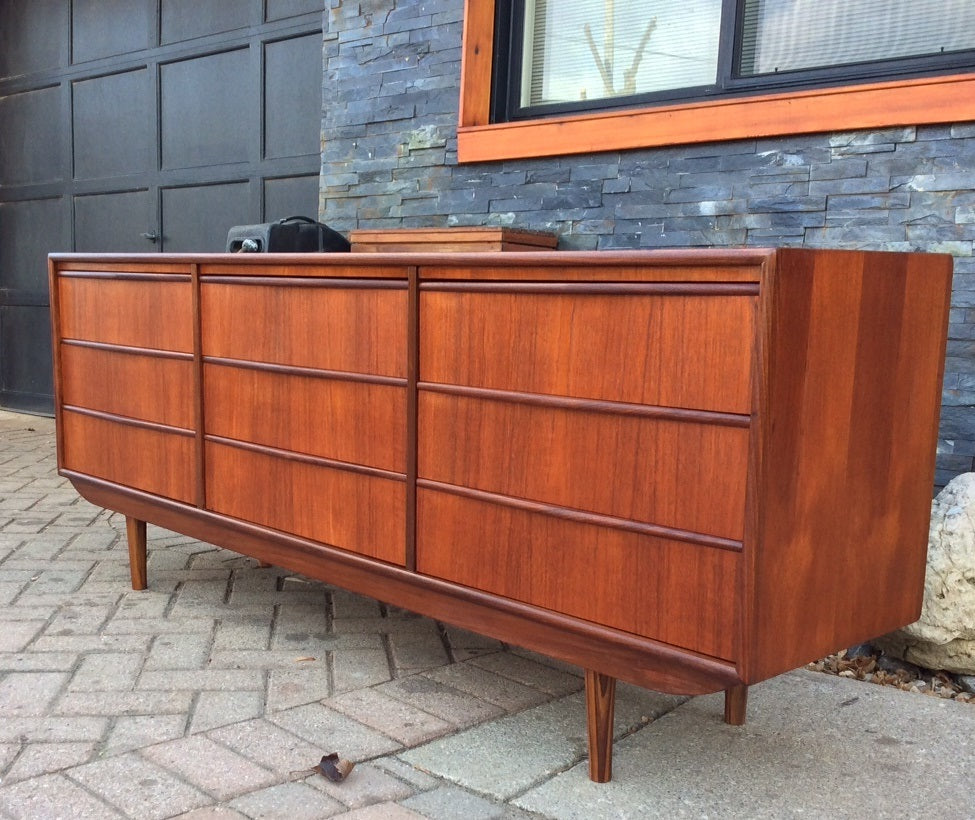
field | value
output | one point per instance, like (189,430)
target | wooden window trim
(921,101)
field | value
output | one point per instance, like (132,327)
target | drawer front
(138,312)
(350,421)
(151,388)
(156,461)
(681,594)
(358,512)
(673,473)
(358,329)
(685,351)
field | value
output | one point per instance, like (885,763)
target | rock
(944,636)
(967,683)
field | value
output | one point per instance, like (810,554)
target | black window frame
(506,76)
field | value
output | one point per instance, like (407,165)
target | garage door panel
(276,9)
(196,219)
(104,28)
(112,223)
(34,36)
(293,94)
(289,196)
(31,151)
(207,105)
(186,19)
(29,230)
(112,125)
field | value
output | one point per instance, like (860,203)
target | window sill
(880,105)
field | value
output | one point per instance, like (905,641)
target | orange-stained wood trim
(876,105)
(477,62)
(198,406)
(413,377)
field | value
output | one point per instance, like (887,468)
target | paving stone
(48,758)
(106,671)
(159,626)
(52,797)
(131,732)
(504,692)
(16,635)
(209,766)
(52,729)
(294,687)
(366,785)
(220,708)
(464,644)
(357,668)
(381,811)
(139,787)
(124,703)
(348,605)
(245,631)
(252,659)
(334,732)
(186,651)
(458,708)
(202,679)
(415,651)
(270,746)
(530,672)
(26,694)
(37,661)
(449,802)
(143,603)
(294,801)
(407,724)
(93,643)
(212,813)
(8,751)
(79,620)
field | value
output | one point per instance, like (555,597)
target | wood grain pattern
(135,312)
(676,474)
(627,348)
(362,513)
(620,653)
(155,460)
(360,330)
(599,574)
(345,420)
(845,454)
(136,536)
(125,383)
(450,240)
(600,706)
(667,268)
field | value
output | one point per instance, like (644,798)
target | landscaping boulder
(944,636)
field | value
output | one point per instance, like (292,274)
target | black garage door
(143,125)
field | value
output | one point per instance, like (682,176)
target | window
(554,77)
(558,56)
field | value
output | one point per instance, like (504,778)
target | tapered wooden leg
(136,532)
(600,703)
(735,705)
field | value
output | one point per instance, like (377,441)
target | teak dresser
(691,470)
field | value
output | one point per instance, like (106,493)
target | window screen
(789,35)
(577,50)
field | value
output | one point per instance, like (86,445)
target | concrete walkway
(212,694)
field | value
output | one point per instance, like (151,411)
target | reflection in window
(577,50)
(788,35)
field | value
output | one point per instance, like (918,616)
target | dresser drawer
(679,593)
(690,348)
(666,471)
(343,327)
(356,511)
(148,311)
(105,379)
(346,420)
